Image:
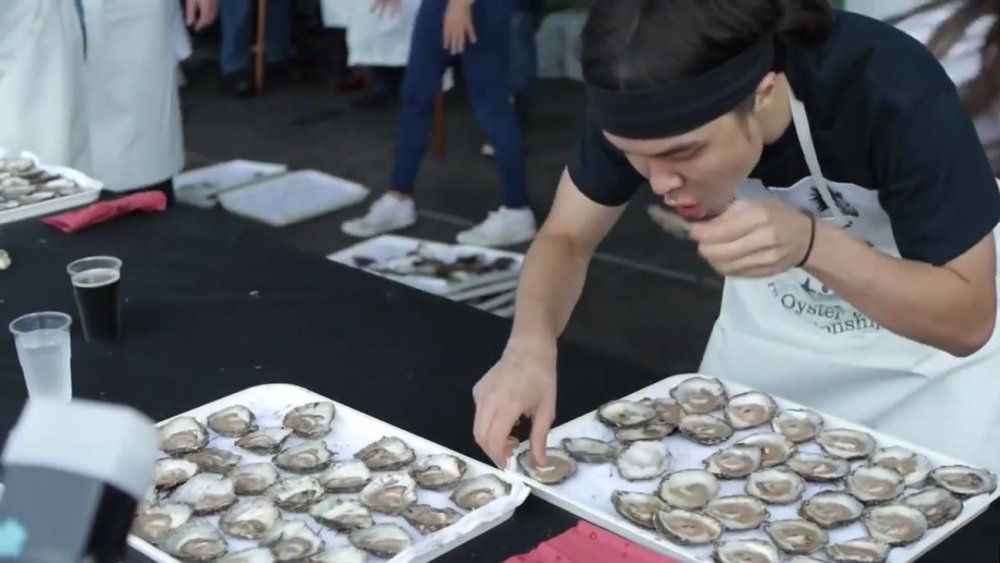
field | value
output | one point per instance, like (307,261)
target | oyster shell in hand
(705,429)
(638,508)
(265,440)
(818,468)
(182,435)
(429,519)
(859,550)
(776,447)
(197,540)
(206,493)
(387,454)
(313,420)
(348,476)
(476,492)
(964,482)
(623,413)
(895,524)
(250,519)
(700,395)
(874,485)
(296,494)
(292,540)
(254,478)
(797,537)
(655,430)
(938,505)
(746,551)
(170,473)
(390,494)
(750,409)
(154,523)
(912,466)
(233,422)
(642,461)
(252,555)
(775,486)
(739,512)
(342,515)
(688,528)
(832,509)
(310,456)
(735,462)
(590,450)
(560,466)
(847,444)
(382,540)
(438,472)
(798,425)
(214,460)
(690,489)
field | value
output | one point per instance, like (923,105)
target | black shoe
(239,84)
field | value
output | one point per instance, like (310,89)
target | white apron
(132,96)
(790,336)
(41,76)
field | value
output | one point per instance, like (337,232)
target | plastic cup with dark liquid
(96,282)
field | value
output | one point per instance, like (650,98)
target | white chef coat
(41,76)
(132,92)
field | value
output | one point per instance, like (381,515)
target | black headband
(685,105)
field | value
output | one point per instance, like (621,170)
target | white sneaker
(503,227)
(387,213)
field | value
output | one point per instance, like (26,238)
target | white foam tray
(293,197)
(387,247)
(91,192)
(352,430)
(588,494)
(201,186)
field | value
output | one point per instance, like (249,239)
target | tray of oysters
(702,469)
(279,473)
(31,188)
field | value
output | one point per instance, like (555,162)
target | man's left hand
(200,14)
(754,239)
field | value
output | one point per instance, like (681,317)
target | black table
(213,308)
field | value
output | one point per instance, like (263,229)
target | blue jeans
(524,59)
(485,66)
(239,29)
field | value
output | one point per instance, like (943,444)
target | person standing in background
(237,36)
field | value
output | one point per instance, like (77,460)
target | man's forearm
(922,302)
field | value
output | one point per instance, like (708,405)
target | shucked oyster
(688,528)
(964,482)
(667,409)
(749,410)
(775,486)
(265,440)
(233,422)
(735,462)
(438,472)
(292,540)
(206,493)
(170,473)
(390,494)
(776,447)
(308,457)
(912,466)
(656,430)
(859,550)
(847,444)
(590,450)
(797,537)
(895,524)
(214,460)
(429,519)
(197,540)
(873,485)
(182,435)
(313,420)
(700,395)
(155,522)
(387,454)
(739,512)
(938,505)
(254,478)
(638,508)
(746,551)
(344,554)
(476,492)
(253,555)
(381,540)
(832,509)
(690,489)
(626,414)
(705,429)
(251,518)
(296,494)
(342,515)
(798,425)
(818,468)
(641,461)
(348,476)
(559,468)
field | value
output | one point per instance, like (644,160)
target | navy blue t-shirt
(883,113)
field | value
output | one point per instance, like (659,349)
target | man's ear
(765,92)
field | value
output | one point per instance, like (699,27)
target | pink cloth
(587,543)
(106,210)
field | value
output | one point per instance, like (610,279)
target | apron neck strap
(802,130)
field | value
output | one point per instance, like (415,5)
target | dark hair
(632,45)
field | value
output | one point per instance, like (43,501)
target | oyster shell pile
(23,183)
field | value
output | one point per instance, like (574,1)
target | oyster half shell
(350,476)
(233,422)
(265,440)
(735,462)
(387,454)
(197,540)
(776,447)
(638,508)
(798,425)
(705,429)
(873,484)
(938,505)
(746,551)
(818,468)
(154,523)
(738,513)
(656,430)
(429,519)
(292,540)
(797,537)
(254,478)
(347,554)
(832,509)
(964,482)
(560,468)
(214,460)
(895,524)
(342,515)
(750,409)
(859,550)
(390,494)
(170,473)
(296,494)
(206,493)
(182,435)
(252,555)
(700,395)
(912,466)
(382,540)
(251,518)
(476,492)
(623,413)
(667,409)
(313,420)
(310,456)
(775,486)
(847,444)
(642,461)
(438,472)
(688,528)
(690,489)
(590,450)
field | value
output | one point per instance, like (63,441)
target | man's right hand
(522,383)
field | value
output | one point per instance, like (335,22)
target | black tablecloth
(213,308)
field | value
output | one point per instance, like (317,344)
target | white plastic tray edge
(229,200)
(91,191)
(654,542)
(416,554)
(186,177)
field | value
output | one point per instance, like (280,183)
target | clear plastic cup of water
(43,348)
